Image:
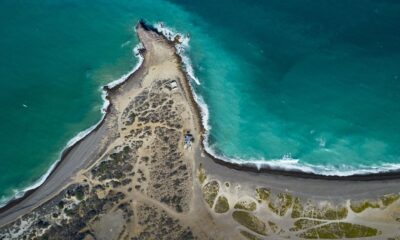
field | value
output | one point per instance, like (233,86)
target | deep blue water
(315,83)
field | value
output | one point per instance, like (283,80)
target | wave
(20,193)
(120,80)
(286,163)
(182,48)
(125,44)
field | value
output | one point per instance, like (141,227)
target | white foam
(125,76)
(286,162)
(321,142)
(136,52)
(20,193)
(125,44)
(291,164)
(181,48)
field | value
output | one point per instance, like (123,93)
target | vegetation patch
(117,164)
(250,221)
(131,119)
(302,224)
(69,212)
(360,206)
(262,194)
(249,236)
(248,205)
(297,208)
(210,192)
(333,213)
(201,174)
(222,205)
(274,227)
(309,234)
(61,204)
(340,230)
(79,193)
(281,203)
(325,212)
(394,238)
(389,199)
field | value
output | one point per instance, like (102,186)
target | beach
(136,174)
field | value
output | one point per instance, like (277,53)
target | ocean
(307,85)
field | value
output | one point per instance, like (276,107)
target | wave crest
(286,162)
(18,193)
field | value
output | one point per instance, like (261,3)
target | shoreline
(135,174)
(257,167)
(52,170)
(193,98)
(106,91)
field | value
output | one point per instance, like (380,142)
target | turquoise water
(313,82)
(312,85)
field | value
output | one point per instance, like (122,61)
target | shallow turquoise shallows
(310,85)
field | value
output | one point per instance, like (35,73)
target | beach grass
(222,205)
(250,221)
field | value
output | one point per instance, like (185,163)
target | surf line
(82,134)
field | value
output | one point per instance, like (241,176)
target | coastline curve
(263,166)
(202,112)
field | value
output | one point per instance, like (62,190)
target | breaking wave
(286,163)
(18,193)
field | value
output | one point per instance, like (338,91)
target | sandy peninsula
(143,174)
